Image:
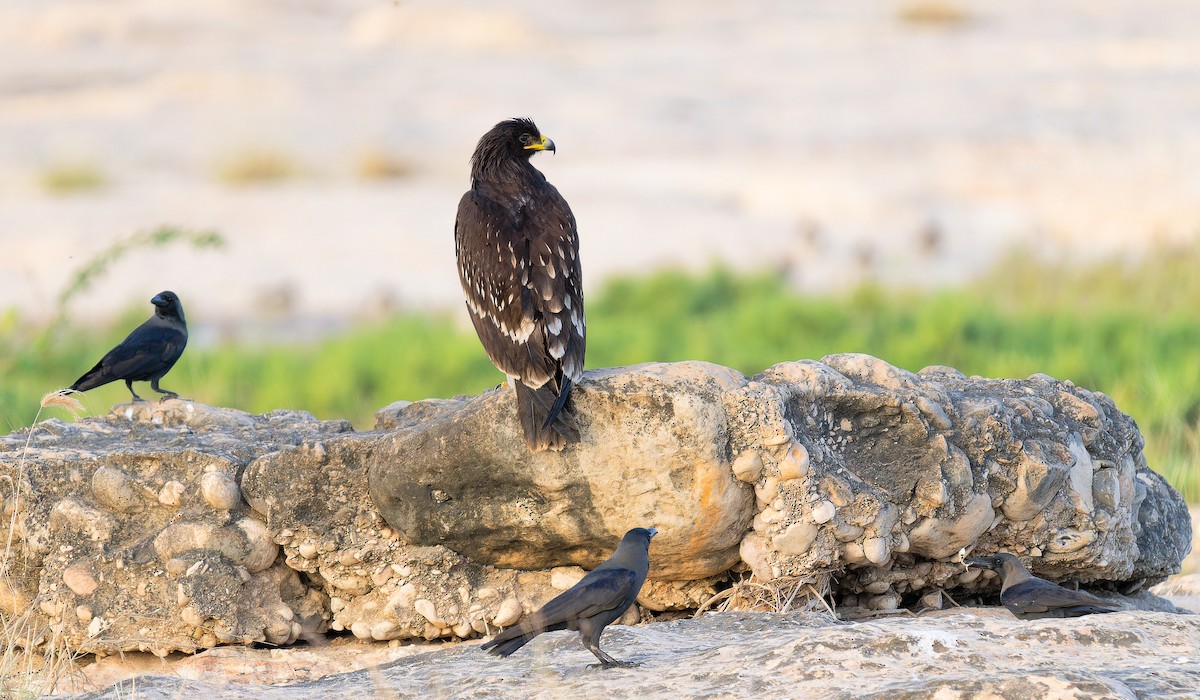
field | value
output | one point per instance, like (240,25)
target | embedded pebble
(563,577)
(877,587)
(84,613)
(80,580)
(509,612)
(263,549)
(748,466)
(220,491)
(796,539)
(876,550)
(115,490)
(823,512)
(308,550)
(766,491)
(171,494)
(426,609)
(794,464)
(96,626)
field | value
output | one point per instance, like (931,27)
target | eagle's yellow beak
(544,145)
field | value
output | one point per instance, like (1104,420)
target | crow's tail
(505,647)
(94,377)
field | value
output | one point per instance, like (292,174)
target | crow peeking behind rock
(600,598)
(1029,597)
(148,353)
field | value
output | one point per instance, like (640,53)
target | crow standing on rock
(1029,597)
(598,600)
(148,353)
(518,261)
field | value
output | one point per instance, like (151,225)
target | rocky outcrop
(130,532)
(177,526)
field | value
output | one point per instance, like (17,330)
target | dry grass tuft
(934,13)
(258,167)
(72,178)
(64,399)
(33,657)
(789,594)
(377,164)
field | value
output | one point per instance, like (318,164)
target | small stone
(426,609)
(796,539)
(171,494)
(96,626)
(175,567)
(79,579)
(192,616)
(220,491)
(381,577)
(361,629)
(263,550)
(794,464)
(877,587)
(845,532)
(876,550)
(766,491)
(181,596)
(969,575)
(115,490)
(563,577)
(887,601)
(509,612)
(84,613)
(385,630)
(823,512)
(748,466)
(308,550)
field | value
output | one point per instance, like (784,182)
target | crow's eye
(525,139)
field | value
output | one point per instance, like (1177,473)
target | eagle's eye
(525,139)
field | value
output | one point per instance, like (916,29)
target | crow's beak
(160,300)
(544,145)
(652,530)
(981,563)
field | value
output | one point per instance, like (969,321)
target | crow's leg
(591,640)
(607,661)
(167,393)
(129,386)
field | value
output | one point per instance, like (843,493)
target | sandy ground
(830,138)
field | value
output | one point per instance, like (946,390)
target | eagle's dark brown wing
(523,284)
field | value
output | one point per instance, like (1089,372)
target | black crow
(518,262)
(148,353)
(600,598)
(1030,598)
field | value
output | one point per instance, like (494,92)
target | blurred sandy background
(909,142)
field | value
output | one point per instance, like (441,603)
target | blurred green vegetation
(1128,328)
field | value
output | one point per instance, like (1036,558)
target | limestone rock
(174,526)
(653,452)
(925,464)
(122,554)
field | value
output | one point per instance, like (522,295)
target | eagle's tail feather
(545,419)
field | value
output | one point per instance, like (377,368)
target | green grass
(1131,330)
